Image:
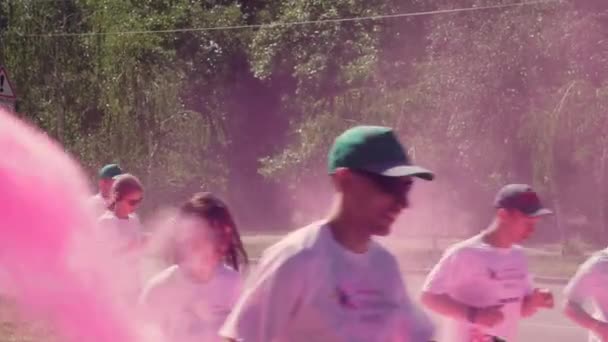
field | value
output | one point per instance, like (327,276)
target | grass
(14,329)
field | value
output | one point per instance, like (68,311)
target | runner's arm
(438,285)
(444,304)
(585,286)
(270,299)
(528,308)
(577,313)
(417,325)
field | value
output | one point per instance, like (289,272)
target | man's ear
(502,213)
(341,178)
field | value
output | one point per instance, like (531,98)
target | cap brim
(403,171)
(541,212)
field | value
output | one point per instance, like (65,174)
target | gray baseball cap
(521,197)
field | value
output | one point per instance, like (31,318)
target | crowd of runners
(330,281)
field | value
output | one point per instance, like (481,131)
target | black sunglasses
(390,185)
(134,202)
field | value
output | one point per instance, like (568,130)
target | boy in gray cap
(330,281)
(482,285)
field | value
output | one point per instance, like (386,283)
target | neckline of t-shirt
(500,250)
(113,215)
(185,277)
(357,257)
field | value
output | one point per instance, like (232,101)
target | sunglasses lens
(134,202)
(391,185)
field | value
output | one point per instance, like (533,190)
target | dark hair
(123,185)
(206,206)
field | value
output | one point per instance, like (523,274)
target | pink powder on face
(49,259)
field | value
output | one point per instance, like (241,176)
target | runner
(100,201)
(191,299)
(330,281)
(589,287)
(119,224)
(482,285)
(120,229)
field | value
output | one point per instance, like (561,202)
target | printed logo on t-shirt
(344,299)
(506,274)
(366,299)
(510,300)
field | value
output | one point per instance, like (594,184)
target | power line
(294,23)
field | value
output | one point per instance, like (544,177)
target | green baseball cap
(521,197)
(373,149)
(109,171)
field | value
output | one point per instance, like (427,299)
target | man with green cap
(330,281)
(482,285)
(106,175)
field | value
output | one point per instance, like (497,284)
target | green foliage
(482,97)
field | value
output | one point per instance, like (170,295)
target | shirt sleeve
(583,285)
(269,300)
(442,275)
(529,286)
(415,325)
(529,280)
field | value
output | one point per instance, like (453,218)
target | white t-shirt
(98,205)
(187,310)
(307,287)
(477,274)
(123,237)
(123,234)
(589,286)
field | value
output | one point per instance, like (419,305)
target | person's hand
(541,298)
(489,317)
